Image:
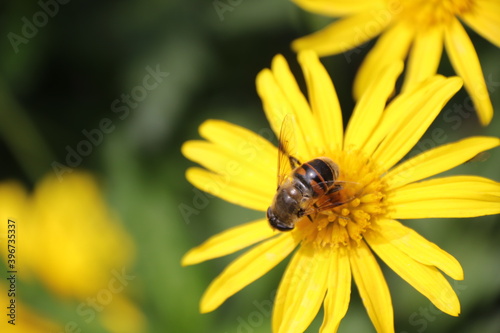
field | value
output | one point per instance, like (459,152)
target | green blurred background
(65,78)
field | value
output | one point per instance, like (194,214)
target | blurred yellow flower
(338,244)
(71,240)
(415,27)
(67,238)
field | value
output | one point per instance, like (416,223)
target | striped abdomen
(316,177)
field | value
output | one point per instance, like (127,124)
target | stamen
(355,203)
(372,197)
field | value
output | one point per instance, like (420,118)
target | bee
(303,188)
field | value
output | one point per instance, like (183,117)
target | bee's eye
(269,214)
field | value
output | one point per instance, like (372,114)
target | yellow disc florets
(427,13)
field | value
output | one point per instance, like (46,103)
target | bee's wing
(341,193)
(287,148)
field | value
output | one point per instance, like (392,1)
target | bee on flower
(335,196)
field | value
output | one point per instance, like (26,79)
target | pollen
(362,201)
(428,13)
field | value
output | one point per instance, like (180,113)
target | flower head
(417,28)
(68,239)
(67,228)
(338,243)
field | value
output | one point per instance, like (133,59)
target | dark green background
(64,80)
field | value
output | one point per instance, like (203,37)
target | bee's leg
(302,213)
(315,212)
(308,212)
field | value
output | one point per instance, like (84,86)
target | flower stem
(22,137)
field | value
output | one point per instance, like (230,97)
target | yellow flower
(67,236)
(415,27)
(241,168)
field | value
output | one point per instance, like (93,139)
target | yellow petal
(455,196)
(295,265)
(229,241)
(323,99)
(466,63)
(369,108)
(338,7)
(426,279)
(392,46)
(245,269)
(245,144)
(438,160)
(344,34)
(473,184)
(301,109)
(339,290)
(13,198)
(227,188)
(301,292)
(403,137)
(372,287)
(123,315)
(425,55)
(484,17)
(238,167)
(277,105)
(397,111)
(418,248)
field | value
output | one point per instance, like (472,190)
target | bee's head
(276,222)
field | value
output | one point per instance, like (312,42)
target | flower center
(427,13)
(362,195)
